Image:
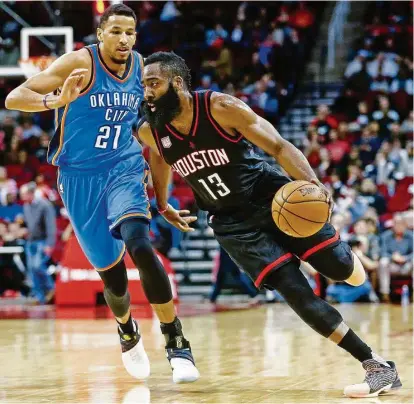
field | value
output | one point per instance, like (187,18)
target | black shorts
(258,247)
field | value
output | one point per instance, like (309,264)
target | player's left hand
(329,197)
(179,218)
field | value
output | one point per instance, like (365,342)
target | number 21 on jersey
(103,140)
(220,187)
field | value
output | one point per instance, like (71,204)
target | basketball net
(35,64)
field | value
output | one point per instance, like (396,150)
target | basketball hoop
(35,64)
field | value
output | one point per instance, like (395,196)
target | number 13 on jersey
(220,187)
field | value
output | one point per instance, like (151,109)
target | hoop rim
(37,58)
(35,64)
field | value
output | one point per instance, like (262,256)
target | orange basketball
(300,209)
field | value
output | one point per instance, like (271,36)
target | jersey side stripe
(61,134)
(93,75)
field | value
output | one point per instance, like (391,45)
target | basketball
(300,209)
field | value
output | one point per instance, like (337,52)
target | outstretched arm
(161,177)
(67,72)
(235,116)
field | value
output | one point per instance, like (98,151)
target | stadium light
(99,7)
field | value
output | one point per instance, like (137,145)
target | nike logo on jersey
(199,160)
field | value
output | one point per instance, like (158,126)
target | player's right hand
(179,218)
(329,197)
(72,86)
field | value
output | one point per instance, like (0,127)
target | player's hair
(116,9)
(172,63)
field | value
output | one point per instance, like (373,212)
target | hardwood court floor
(261,355)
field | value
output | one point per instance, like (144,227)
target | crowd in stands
(363,149)
(235,54)
(225,49)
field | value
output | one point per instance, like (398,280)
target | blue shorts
(97,203)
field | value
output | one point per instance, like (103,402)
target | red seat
(49,171)
(14,171)
(399,202)
(32,163)
(24,178)
(383,190)
(177,179)
(184,194)
(404,183)
(397,283)
(61,223)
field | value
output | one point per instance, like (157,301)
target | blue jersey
(94,132)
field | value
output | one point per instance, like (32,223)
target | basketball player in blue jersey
(207,138)
(103,175)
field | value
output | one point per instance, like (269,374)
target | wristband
(44,102)
(162,211)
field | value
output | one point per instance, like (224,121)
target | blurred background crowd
(361,146)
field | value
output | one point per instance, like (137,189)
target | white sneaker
(184,371)
(181,360)
(134,357)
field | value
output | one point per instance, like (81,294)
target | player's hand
(328,194)
(179,218)
(72,86)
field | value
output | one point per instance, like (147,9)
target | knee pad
(135,233)
(335,262)
(154,279)
(115,279)
(294,287)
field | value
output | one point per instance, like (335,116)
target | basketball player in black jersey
(207,138)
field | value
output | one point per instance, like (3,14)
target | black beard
(167,107)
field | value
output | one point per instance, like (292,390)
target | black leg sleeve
(154,279)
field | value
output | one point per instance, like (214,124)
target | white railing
(11,250)
(336,29)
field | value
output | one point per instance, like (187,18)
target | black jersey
(221,169)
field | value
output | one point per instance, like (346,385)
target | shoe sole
(184,381)
(385,389)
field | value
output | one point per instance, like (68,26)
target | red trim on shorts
(319,246)
(271,266)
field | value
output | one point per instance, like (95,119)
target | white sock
(380,359)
